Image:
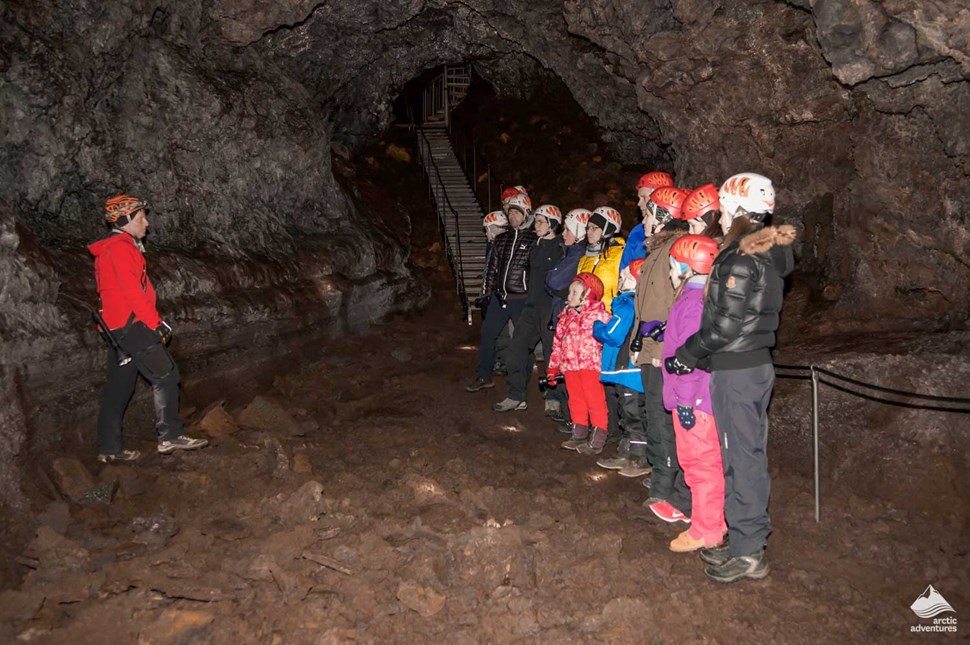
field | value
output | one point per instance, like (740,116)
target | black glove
(164,331)
(674,366)
(686,416)
(480,302)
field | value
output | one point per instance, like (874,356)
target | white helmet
(575,222)
(551,213)
(747,193)
(495,218)
(610,216)
(523,203)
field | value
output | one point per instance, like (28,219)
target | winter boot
(596,442)
(745,566)
(480,384)
(621,460)
(509,405)
(578,437)
(685,543)
(638,466)
(717,554)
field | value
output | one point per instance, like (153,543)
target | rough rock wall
(255,250)
(853,108)
(222,111)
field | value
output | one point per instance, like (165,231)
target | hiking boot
(500,369)
(181,442)
(480,384)
(745,566)
(508,405)
(666,512)
(717,554)
(614,463)
(635,469)
(123,456)
(597,440)
(685,543)
(578,437)
(622,459)
(553,409)
(564,427)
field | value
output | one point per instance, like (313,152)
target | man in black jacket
(506,285)
(533,325)
(741,314)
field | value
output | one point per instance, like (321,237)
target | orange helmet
(655,179)
(592,284)
(509,193)
(700,201)
(696,251)
(119,209)
(670,199)
(635,267)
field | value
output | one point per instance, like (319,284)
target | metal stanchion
(815,440)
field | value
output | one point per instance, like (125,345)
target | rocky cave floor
(366,497)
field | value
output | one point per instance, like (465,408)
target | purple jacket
(694,389)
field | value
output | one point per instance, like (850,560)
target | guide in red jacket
(128,307)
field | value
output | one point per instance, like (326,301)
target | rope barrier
(815,373)
(872,386)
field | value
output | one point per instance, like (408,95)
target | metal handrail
(816,373)
(426,156)
(461,146)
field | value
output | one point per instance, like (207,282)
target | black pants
(740,399)
(530,328)
(667,480)
(151,359)
(631,420)
(496,318)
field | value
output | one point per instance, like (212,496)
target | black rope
(877,388)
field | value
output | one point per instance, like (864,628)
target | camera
(545,384)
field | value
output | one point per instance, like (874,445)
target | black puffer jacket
(508,266)
(543,258)
(743,302)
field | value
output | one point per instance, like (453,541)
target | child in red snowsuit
(688,397)
(577,356)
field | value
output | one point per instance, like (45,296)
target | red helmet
(670,198)
(635,267)
(655,179)
(592,284)
(509,193)
(701,200)
(696,251)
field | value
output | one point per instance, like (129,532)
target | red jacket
(574,347)
(123,284)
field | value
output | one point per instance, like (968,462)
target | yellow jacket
(606,267)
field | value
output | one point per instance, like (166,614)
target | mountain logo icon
(930,604)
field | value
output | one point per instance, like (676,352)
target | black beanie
(609,228)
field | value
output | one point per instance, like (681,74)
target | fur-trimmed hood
(662,238)
(773,241)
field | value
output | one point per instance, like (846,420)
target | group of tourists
(661,339)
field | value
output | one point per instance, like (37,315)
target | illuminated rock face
(222,113)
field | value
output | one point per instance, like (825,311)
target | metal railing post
(815,440)
(488,187)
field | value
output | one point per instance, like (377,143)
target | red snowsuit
(119,268)
(578,355)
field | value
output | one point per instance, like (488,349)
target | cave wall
(853,108)
(223,112)
(256,252)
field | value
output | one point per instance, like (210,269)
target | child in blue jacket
(631,455)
